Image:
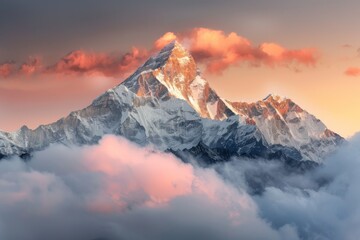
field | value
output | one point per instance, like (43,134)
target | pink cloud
(219,51)
(215,49)
(157,175)
(163,40)
(81,62)
(6,69)
(352,72)
(31,66)
(122,174)
(112,188)
(276,54)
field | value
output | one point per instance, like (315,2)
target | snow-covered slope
(283,122)
(174,73)
(171,125)
(167,103)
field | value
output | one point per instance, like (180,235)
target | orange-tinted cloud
(81,62)
(215,49)
(6,69)
(165,39)
(218,50)
(353,71)
(31,66)
(277,54)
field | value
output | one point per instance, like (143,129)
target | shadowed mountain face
(168,104)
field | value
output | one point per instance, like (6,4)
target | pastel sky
(56,56)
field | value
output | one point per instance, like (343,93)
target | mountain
(281,121)
(168,104)
(173,73)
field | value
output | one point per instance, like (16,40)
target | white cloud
(322,204)
(117,190)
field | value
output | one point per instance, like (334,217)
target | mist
(321,204)
(118,190)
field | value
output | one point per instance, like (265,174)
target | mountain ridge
(167,103)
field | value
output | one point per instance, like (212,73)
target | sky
(57,56)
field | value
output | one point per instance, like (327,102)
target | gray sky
(53,28)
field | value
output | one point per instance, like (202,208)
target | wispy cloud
(352,71)
(114,65)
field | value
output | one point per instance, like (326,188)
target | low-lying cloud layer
(117,190)
(331,212)
(215,49)
(323,204)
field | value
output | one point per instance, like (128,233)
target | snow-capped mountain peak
(168,103)
(174,73)
(275,97)
(281,121)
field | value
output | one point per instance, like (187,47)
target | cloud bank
(212,48)
(219,51)
(323,204)
(116,190)
(333,211)
(110,65)
(81,63)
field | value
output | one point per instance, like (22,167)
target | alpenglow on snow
(168,104)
